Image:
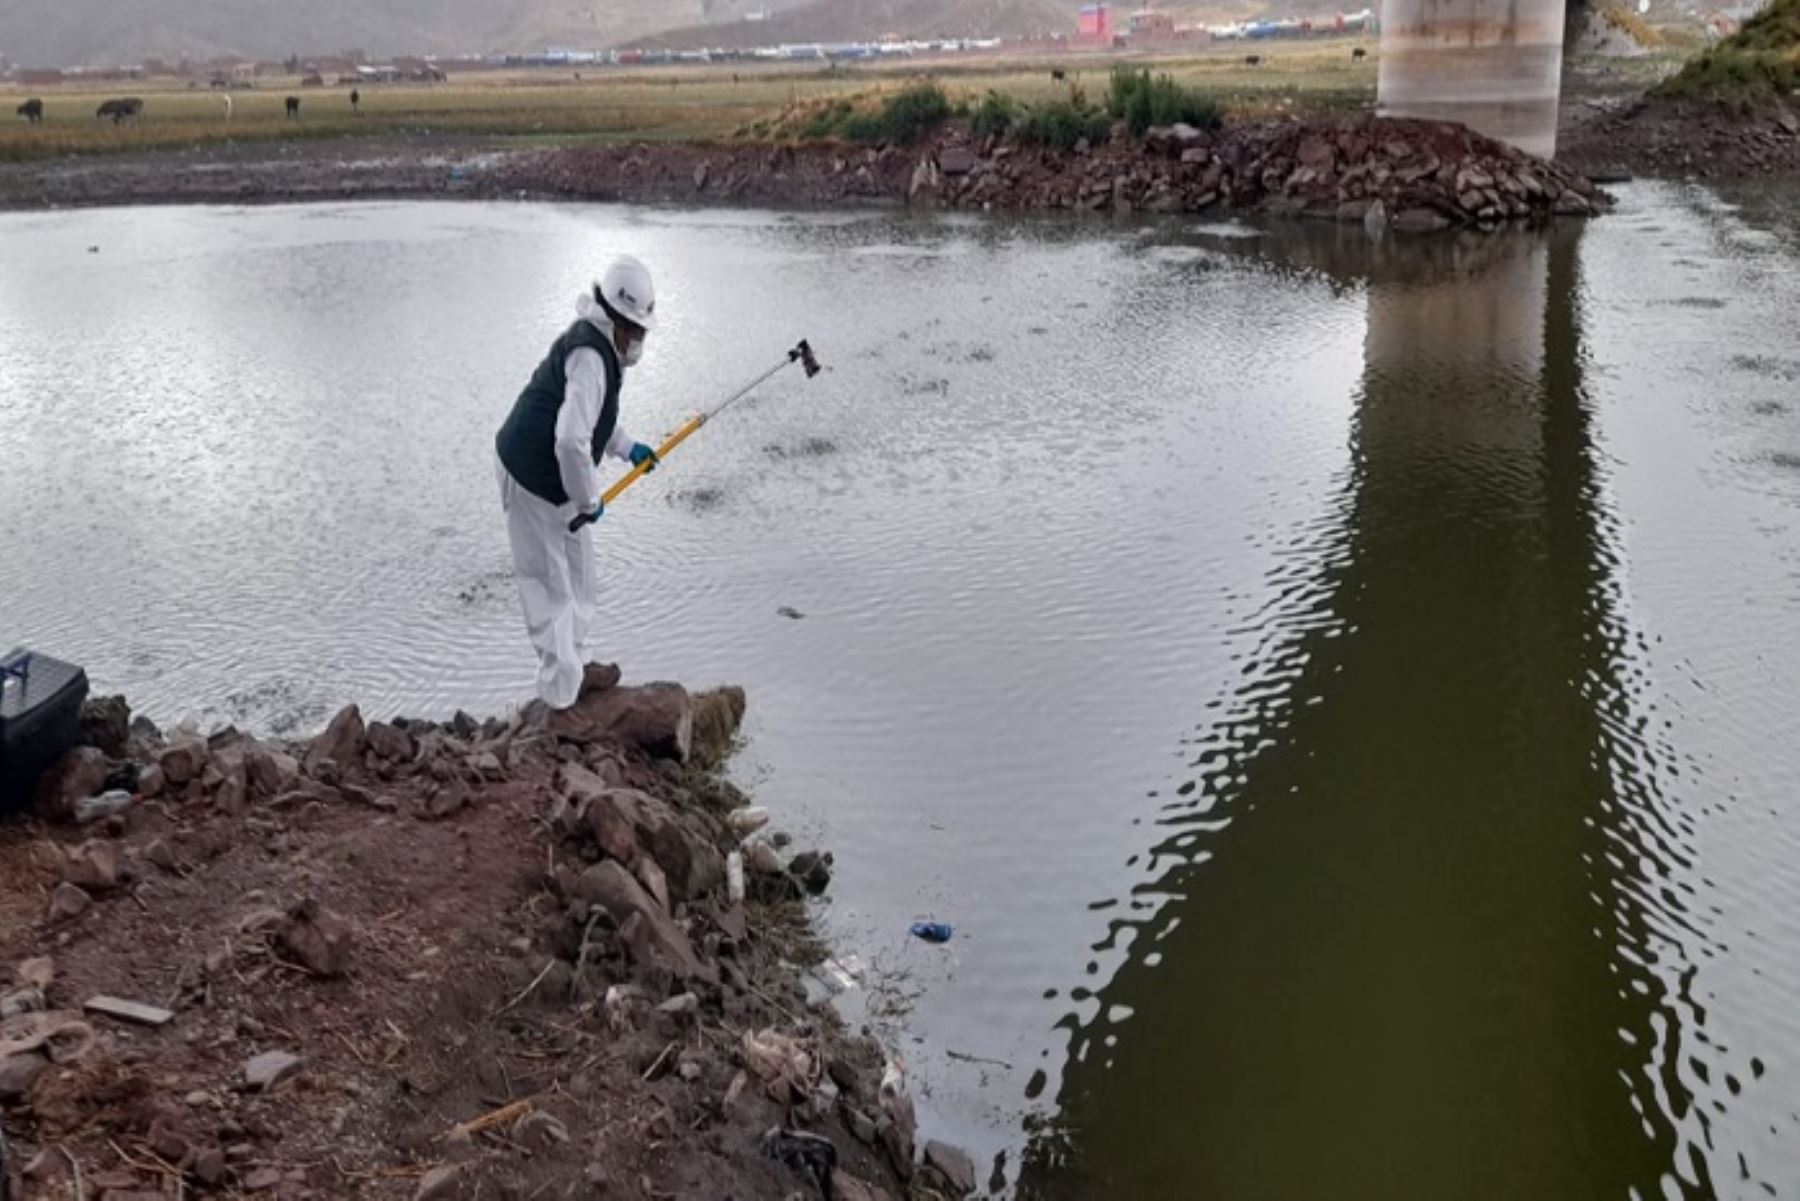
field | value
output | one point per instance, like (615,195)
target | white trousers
(556,586)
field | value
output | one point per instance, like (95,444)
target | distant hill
(854,20)
(115,32)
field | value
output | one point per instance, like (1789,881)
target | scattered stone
(540,1131)
(652,878)
(317,939)
(953,1165)
(439,1184)
(813,870)
(762,860)
(128,1011)
(106,724)
(390,742)
(661,942)
(184,759)
(342,742)
(261,1180)
(685,1005)
(94,866)
(150,781)
(167,1141)
(37,973)
(79,774)
(263,1072)
(861,1125)
(209,1167)
(19,1072)
(656,719)
(957,160)
(67,903)
(158,853)
(270,773)
(447,801)
(845,1187)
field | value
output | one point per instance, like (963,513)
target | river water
(1342,693)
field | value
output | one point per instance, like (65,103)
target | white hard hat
(626,288)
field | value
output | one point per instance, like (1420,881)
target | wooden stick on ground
(499,1117)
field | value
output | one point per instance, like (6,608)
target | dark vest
(526,443)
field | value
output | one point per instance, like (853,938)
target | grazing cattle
(1358,54)
(355,101)
(1058,74)
(1253,60)
(120,109)
(32,110)
(293,108)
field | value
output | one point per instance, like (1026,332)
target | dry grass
(651,105)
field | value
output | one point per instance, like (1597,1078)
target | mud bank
(1703,139)
(408,959)
(1417,175)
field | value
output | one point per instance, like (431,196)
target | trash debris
(92,809)
(781,1062)
(26,1000)
(811,1155)
(265,1071)
(734,877)
(933,931)
(747,821)
(789,613)
(128,1011)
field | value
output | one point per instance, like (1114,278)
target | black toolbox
(40,720)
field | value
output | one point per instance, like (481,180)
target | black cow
(1058,74)
(120,109)
(355,101)
(293,108)
(1253,60)
(1358,54)
(32,110)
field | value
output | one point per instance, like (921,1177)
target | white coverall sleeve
(583,394)
(620,444)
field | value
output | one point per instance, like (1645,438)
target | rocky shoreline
(514,958)
(1410,175)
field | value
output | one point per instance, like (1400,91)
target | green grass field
(696,103)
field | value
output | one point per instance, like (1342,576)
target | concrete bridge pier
(1493,65)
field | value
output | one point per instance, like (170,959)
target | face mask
(631,356)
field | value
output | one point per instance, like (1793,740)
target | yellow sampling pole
(801,353)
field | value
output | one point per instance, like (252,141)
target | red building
(1094,24)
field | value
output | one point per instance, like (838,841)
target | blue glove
(584,519)
(640,454)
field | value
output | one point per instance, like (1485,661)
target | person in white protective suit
(549,452)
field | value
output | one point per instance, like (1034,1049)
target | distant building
(1094,24)
(37,77)
(1150,26)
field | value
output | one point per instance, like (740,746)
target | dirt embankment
(1411,174)
(506,959)
(1732,111)
(1700,138)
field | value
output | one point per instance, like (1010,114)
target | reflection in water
(1405,933)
